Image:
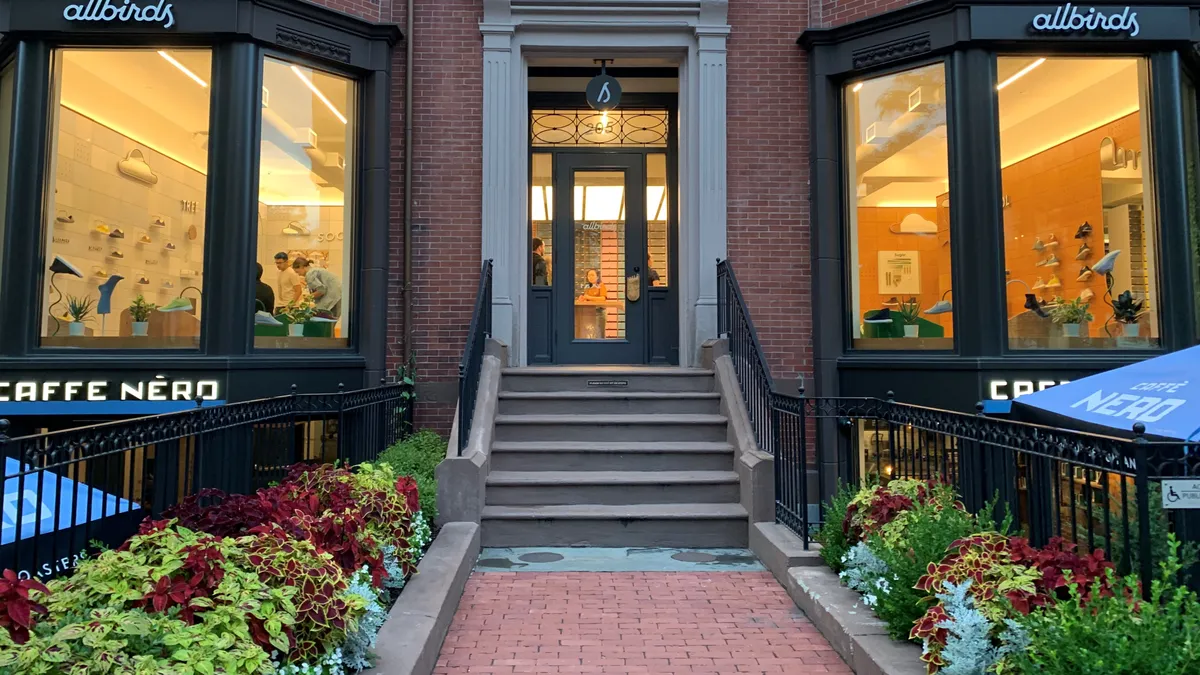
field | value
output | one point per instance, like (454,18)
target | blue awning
(1162,393)
(58,496)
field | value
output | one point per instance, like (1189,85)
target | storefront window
(124,232)
(305,214)
(1079,224)
(899,211)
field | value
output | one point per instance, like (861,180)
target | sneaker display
(295,228)
(176,305)
(144,239)
(142,281)
(891,302)
(1038,245)
(1084,253)
(117,234)
(1106,264)
(117,255)
(1052,261)
(64,217)
(99,273)
(878,316)
(187,273)
(1032,305)
(1039,284)
(265,319)
(940,307)
(1054,282)
(168,284)
(1085,274)
(1052,241)
(1085,230)
(102,228)
(1087,295)
(158,222)
(169,246)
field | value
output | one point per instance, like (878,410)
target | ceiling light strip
(1020,73)
(171,60)
(309,83)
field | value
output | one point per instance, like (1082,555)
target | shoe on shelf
(63,217)
(1039,284)
(1038,245)
(116,255)
(187,273)
(158,222)
(168,284)
(117,234)
(1084,253)
(295,228)
(1085,230)
(891,302)
(99,273)
(1054,282)
(1032,305)
(878,316)
(1087,295)
(102,228)
(1052,261)
(265,319)
(176,305)
(142,281)
(169,246)
(940,307)
(144,239)
(1052,241)
(1085,274)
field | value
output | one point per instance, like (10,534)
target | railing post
(341,429)
(1142,487)
(804,520)
(889,416)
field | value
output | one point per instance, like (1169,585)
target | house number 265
(187,205)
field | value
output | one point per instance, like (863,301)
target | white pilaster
(500,147)
(711,171)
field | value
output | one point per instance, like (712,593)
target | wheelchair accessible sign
(1181,494)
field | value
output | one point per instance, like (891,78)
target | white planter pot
(1131,329)
(296,329)
(911,331)
(141,328)
(1071,329)
(75,329)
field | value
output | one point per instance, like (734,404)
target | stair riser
(708,533)
(640,383)
(566,406)
(643,432)
(553,495)
(611,461)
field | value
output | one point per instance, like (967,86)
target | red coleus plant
(220,514)
(874,507)
(18,606)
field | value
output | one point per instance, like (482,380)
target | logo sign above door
(123,11)
(604,91)
(1069,18)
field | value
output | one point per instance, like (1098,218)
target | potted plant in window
(1127,310)
(297,312)
(1070,315)
(139,311)
(80,310)
(910,314)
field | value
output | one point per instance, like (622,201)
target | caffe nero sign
(121,11)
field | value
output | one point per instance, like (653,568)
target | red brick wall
(768,128)
(838,12)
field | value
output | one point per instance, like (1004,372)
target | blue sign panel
(59,504)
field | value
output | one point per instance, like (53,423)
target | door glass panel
(541,205)
(657,208)
(598,205)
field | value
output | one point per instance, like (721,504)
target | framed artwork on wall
(899,272)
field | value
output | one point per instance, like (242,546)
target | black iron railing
(66,489)
(749,362)
(471,365)
(1100,492)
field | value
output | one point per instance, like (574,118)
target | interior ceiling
(140,94)
(1055,101)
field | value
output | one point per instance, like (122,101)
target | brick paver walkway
(632,622)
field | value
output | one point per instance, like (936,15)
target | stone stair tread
(590,395)
(539,478)
(551,371)
(626,512)
(618,418)
(613,447)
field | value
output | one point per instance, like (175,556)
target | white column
(500,146)
(710,161)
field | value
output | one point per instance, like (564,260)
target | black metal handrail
(471,366)
(96,483)
(749,362)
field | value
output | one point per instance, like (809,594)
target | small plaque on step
(608,383)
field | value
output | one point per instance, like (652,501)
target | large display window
(1080,227)
(305,211)
(125,198)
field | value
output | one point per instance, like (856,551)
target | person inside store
(594,290)
(541,269)
(652,278)
(326,289)
(290,285)
(264,297)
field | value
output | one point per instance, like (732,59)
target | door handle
(633,285)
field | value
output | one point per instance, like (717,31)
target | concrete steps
(611,456)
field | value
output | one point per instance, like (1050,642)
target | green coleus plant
(885,510)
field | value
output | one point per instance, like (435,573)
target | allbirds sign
(1069,18)
(121,10)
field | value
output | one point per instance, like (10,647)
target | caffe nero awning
(1162,393)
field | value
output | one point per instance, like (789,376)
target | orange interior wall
(875,234)
(1054,192)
